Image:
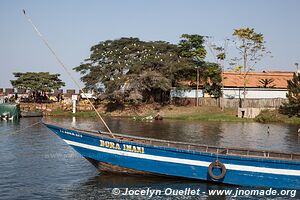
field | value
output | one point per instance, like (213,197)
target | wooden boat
(31,114)
(128,154)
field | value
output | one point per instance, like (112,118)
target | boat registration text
(124,147)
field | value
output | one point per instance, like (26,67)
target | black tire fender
(217,164)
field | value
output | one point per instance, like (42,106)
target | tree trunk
(245,71)
(197,95)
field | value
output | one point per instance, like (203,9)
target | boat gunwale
(291,158)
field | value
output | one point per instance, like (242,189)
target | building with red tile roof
(236,79)
(234,85)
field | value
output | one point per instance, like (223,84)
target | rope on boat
(65,68)
(31,125)
(22,129)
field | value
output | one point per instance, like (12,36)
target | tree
(251,49)
(212,77)
(129,66)
(266,83)
(37,82)
(192,47)
(294,89)
(219,53)
(293,95)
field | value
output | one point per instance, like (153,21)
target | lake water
(36,164)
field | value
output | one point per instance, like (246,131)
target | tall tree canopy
(251,49)
(192,46)
(130,68)
(37,81)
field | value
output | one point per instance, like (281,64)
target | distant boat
(31,114)
(128,154)
(158,117)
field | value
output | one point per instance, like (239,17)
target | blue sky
(72,27)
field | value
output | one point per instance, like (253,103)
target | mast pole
(65,68)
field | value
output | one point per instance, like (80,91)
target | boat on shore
(138,155)
(31,114)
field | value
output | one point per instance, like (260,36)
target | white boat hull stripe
(187,161)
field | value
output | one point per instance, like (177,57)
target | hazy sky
(72,27)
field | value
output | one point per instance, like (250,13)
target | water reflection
(36,164)
(282,137)
(102,185)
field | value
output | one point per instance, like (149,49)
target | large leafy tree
(132,69)
(251,49)
(37,81)
(128,66)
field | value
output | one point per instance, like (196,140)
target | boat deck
(199,147)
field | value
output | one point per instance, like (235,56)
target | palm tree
(266,82)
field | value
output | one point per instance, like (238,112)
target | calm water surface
(36,164)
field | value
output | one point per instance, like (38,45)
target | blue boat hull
(240,170)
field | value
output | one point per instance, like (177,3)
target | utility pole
(222,75)
(197,81)
(197,95)
(215,51)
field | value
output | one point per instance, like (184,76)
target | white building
(259,85)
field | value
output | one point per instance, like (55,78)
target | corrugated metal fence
(232,103)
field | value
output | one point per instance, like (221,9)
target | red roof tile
(235,79)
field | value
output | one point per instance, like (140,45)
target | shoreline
(188,113)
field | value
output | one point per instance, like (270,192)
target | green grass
(207,117)
(273,116)
(211,114)
(193,113)
(179,113)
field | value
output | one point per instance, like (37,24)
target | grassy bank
(273,116)
(167,112)
(202,114)
(183,113)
